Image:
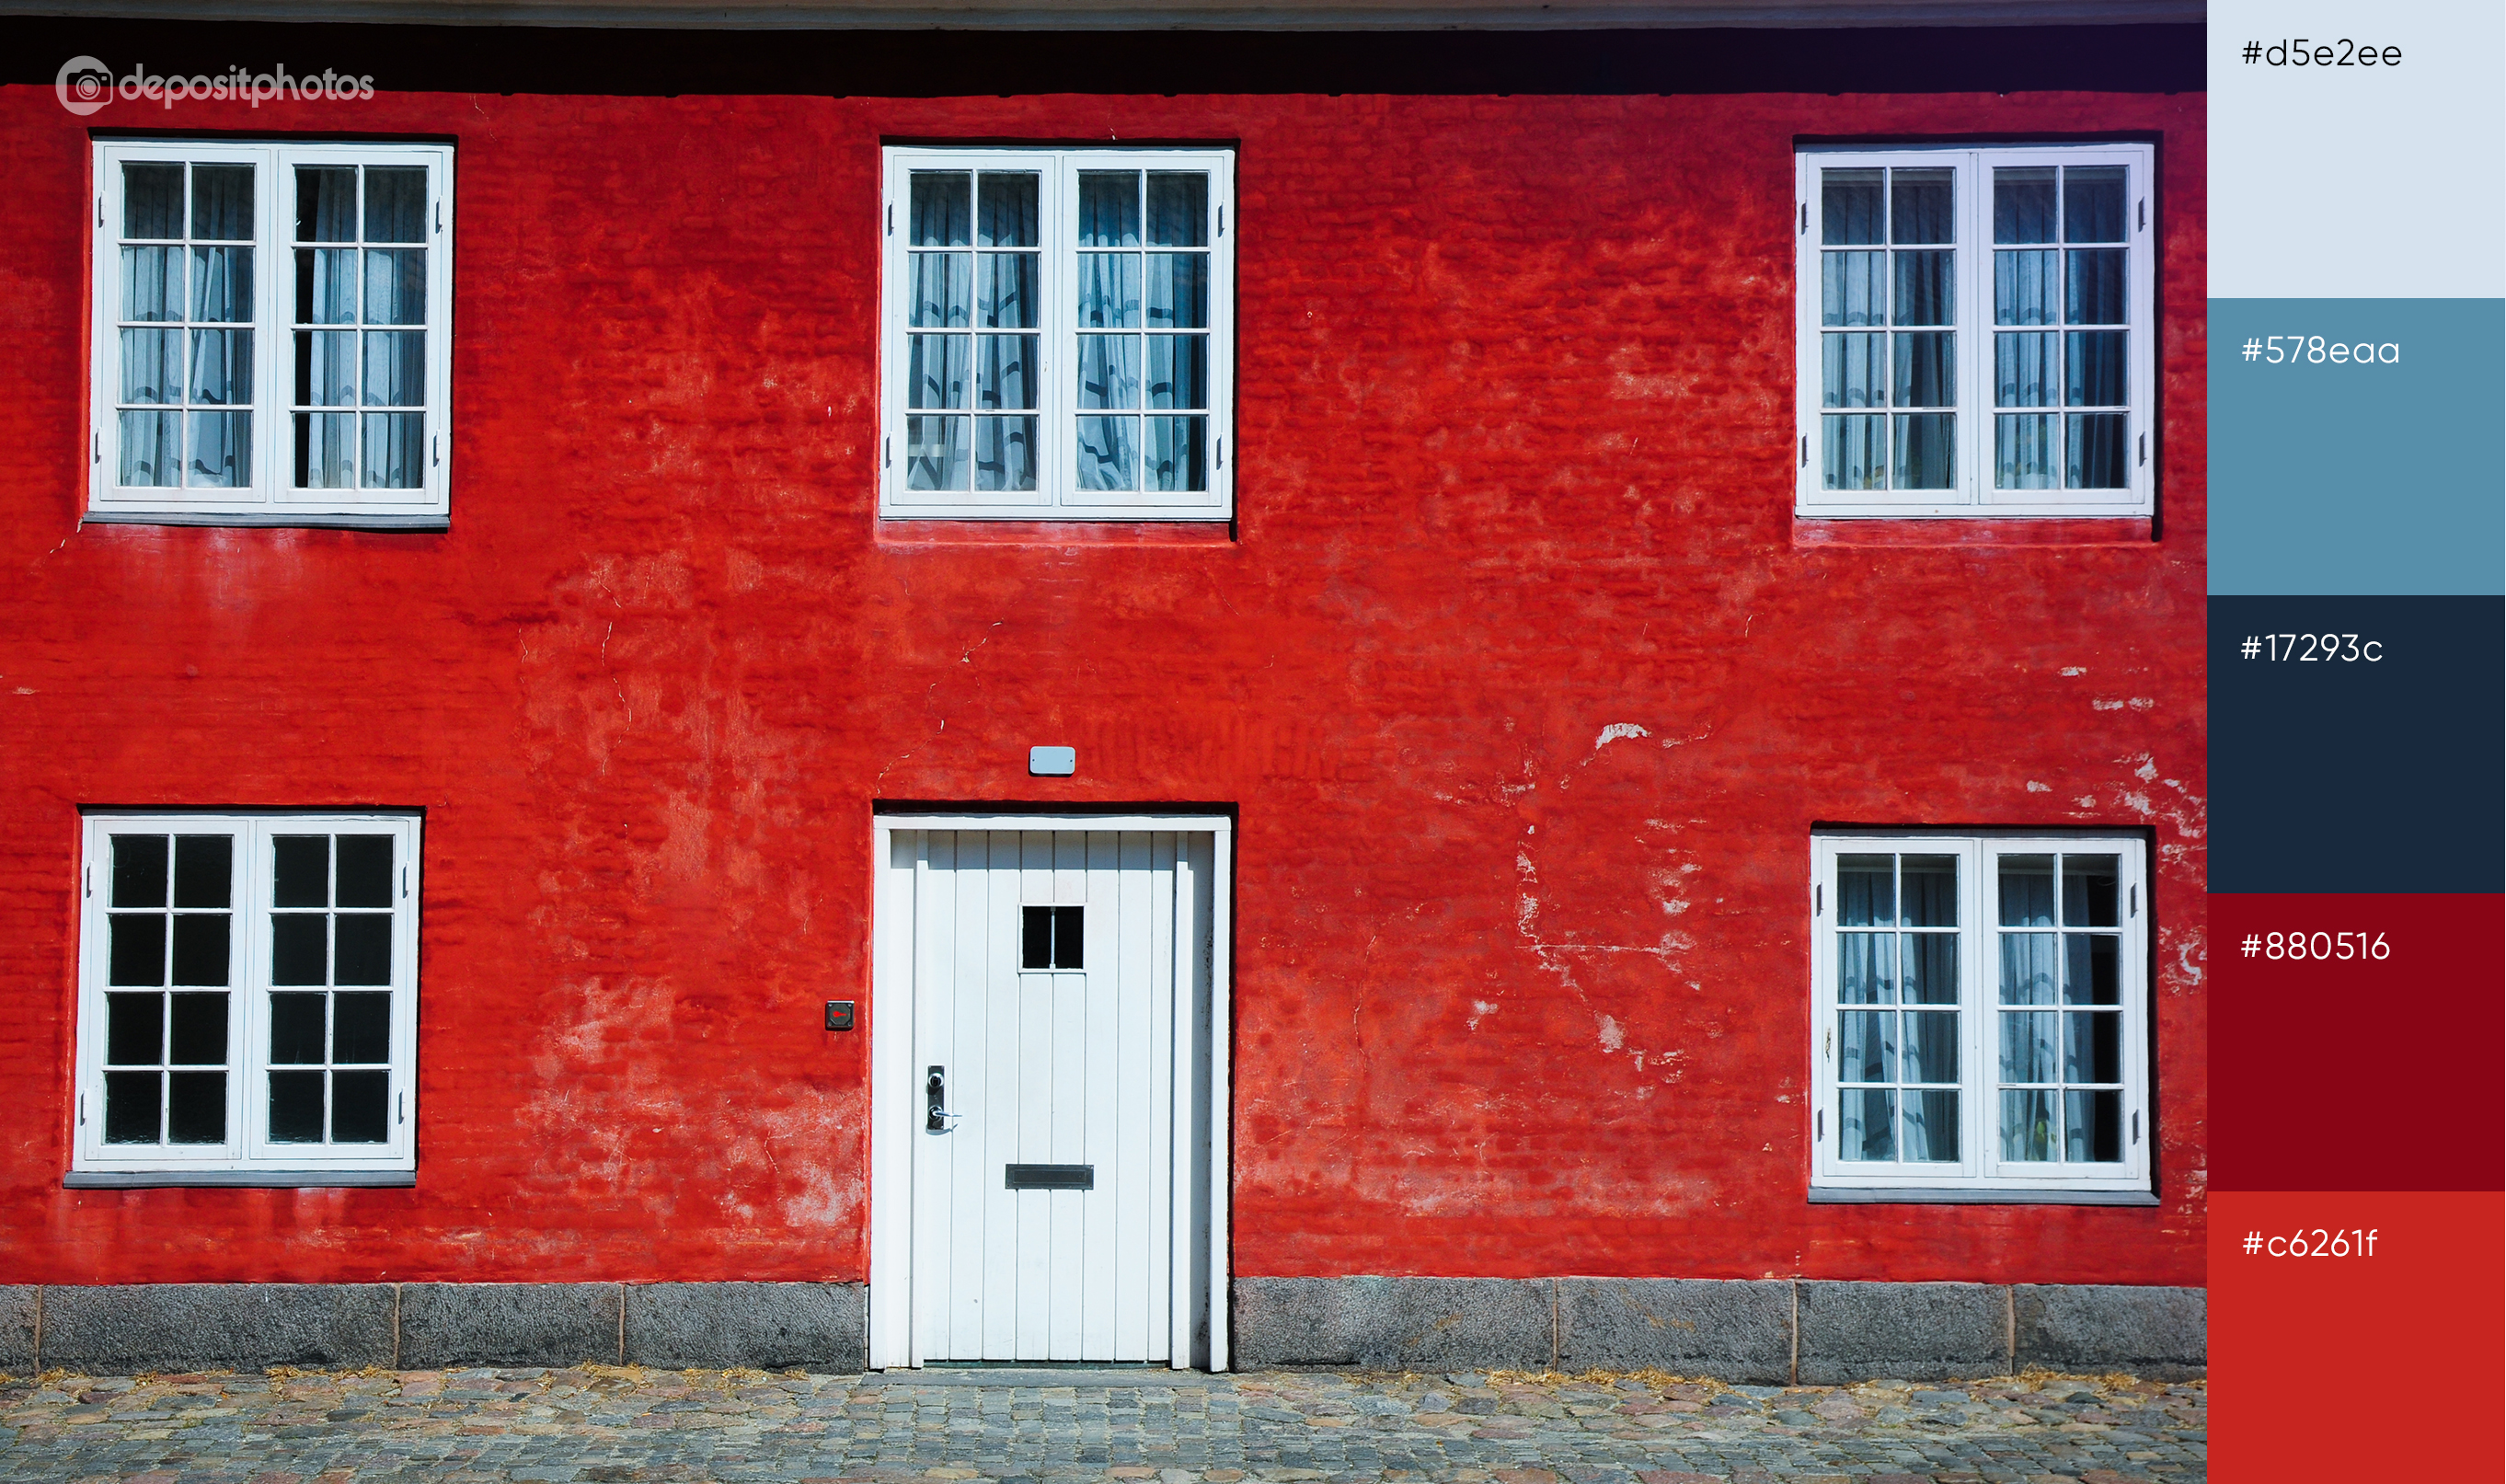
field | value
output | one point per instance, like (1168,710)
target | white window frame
(1981,1175)
(1973,494)
(1056,497)
(271,498)
(248,1156)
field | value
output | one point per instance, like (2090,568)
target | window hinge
(1804,463)
(1222,221)
(891,218)
(2144,447)
(1819,899)
(99,211)
(1804,219)
(1219,449)
(2135,898)
(95,447)
(91,881)
(1827,1045)
(81,1111)
(2144,213)
(438,447)
(887,452)
(404,882)
(1822,1125)
(2135,1128)
(403,1108)
(439,216)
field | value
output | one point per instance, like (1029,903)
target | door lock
(936,1116)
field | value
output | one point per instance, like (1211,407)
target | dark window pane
(2096,450)
(365,871)
(2095,1128)
(2092,204)
(1007,203)
(2089,894)
(221,201)
(138,871)
(2026,891)
(326,204)
(363,949)
(134,1029)
(131,1107)
(296,1107)
(200,947)
(296,948)
(2091,976)
(2023,204)
(1067,937)
(2093,1047)
(360,1027)
(1849,211)
(301,872)
(1867,1124)
(939,210)
(295,1028)
(1931,969)
(152,206)
(203,870)
(1178,209)
(1866,890)
(1109,208)
(1918,208)
(196,1108)
(200,1031)
(136,951)
(360,1107)
(395,204)
(1931,891)
(1035,937)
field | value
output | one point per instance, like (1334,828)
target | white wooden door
(1055,1205)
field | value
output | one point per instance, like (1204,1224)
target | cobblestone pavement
(606,1423)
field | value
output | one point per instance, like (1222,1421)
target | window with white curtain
(1057,334)
(247,998)
(1981,1021)
(1976,331)
(272,333)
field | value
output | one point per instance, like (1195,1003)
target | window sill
(289,521)
(1815,531)
(1964,1196)
(1217,530)
(276,1180)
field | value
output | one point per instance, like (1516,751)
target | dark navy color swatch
(2353,776)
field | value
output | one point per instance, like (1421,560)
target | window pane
(1109,291)
(1865,1046)
(200,948)
(1855,453)
(326,451)
(1927,448)
(152,206)
(1931,1046)
(1866,890)
(936,369)
(1931,891)
(2094,368)
(1920,206)
(941,284)
(394,452)
(2027,1125)
(1853,373)
(139,871)
(935,453)
(1927,295)
(296,1028)
(2027,968)
(203,870)
(360,1106)
(2022,452)
(221,368)
(221,451)
(1109,208)
(1932,1126)
(1178,290)
(360,1027)
(2091,891)
(1175,454)
(130,1107)
(1109,453)
(1006,208)
(2097,459)
(326,204)
(1005,378)
(2093,290)
(2093,1047)
(2093,204)
(1178,208)
(2093,1125)
(134,1029)
(361,948)
(941,211)
(1866,1124)
(151,449)
(395,368)
(1926,370)
(297,944)
(2023,288)
(2023,370)
(222,202)
(136,955)
(1005,455)
(1109,372)
(2023,204)
(200,1031)
(2026,891)
(222,284)
(1849,208)
(1005,294)
(195,1109)
(1852,290)
(296,1107)
(326,286)
(2089,971)
(152,283)
(365,871)
(395,204)
(396,286)
(2028,1046)
(1179,371)
(1866,968)
(1931,969)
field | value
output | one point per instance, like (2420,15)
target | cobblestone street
(606,1423)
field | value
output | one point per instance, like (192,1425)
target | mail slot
(1049,1176)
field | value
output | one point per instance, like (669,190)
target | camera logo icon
(85,84)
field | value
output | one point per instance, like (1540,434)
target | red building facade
(1524,684)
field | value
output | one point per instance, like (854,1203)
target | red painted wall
(1516,433)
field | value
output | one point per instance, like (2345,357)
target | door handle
(936,1116)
